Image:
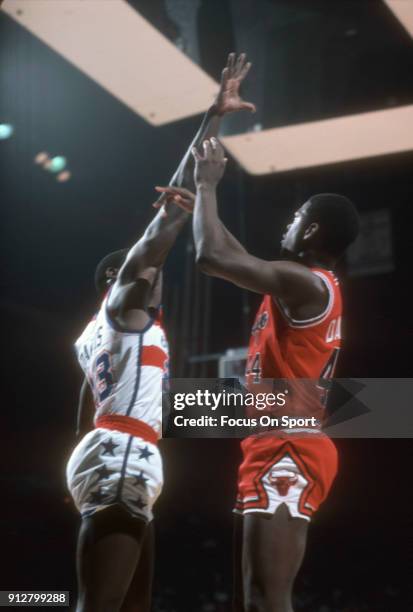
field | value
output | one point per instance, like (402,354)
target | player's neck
(321,260)
(316,260)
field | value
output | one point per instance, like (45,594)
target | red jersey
(292,467)
(284,348)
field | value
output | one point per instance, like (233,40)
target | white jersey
(125,368)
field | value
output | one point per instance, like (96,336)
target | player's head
(325,226)
(107,270)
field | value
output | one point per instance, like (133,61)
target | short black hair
(112,260)
(338,219)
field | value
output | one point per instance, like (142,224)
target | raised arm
(218,255)
(152,248)
(228,100)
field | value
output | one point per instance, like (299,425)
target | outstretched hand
(209,167)
(228,99)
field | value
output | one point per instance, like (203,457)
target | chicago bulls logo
(282,483)
(260,322)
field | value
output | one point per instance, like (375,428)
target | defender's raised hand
(210,167)
(228,99)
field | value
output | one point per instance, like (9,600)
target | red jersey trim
(296,323)
(153,356)
(128,425)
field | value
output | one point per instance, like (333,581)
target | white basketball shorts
(110,467)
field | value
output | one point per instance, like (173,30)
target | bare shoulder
(303,291)
(291,271)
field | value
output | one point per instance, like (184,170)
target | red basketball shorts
(283,469)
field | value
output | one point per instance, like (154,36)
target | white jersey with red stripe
(125,368)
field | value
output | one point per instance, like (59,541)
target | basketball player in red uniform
(115,472)
(286,474)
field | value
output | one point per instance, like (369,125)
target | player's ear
(111,272)
(311,230)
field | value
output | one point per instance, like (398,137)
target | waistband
(129,425)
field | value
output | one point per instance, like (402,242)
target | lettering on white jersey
(87,349)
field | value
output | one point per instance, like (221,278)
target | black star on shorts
(103,472)
(109,447)
(141,480)
(145,453)
(97,497)
(139,503)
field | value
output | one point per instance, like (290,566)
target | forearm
(214,243)
(184,175)
(162,233)
(153,247)
(232,242)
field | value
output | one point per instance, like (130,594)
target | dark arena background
(312,60)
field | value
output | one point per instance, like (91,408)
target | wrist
(206,186)
(214,110)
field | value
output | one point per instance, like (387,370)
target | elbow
(207,261)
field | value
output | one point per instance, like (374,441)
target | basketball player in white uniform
(115,472)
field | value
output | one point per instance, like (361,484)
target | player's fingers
(249,106)
(172,190)
(218,149)
(186,201)
(245,70)
(160,201)
(224,76)
(240,63)
(230,63)
(214,148)
(185,193)
(166,196)
(162,208)
(196,154)
(188,195)
(159,205)
(180,200)
(184,204)
(208,154)
(215,154)
(165,190)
